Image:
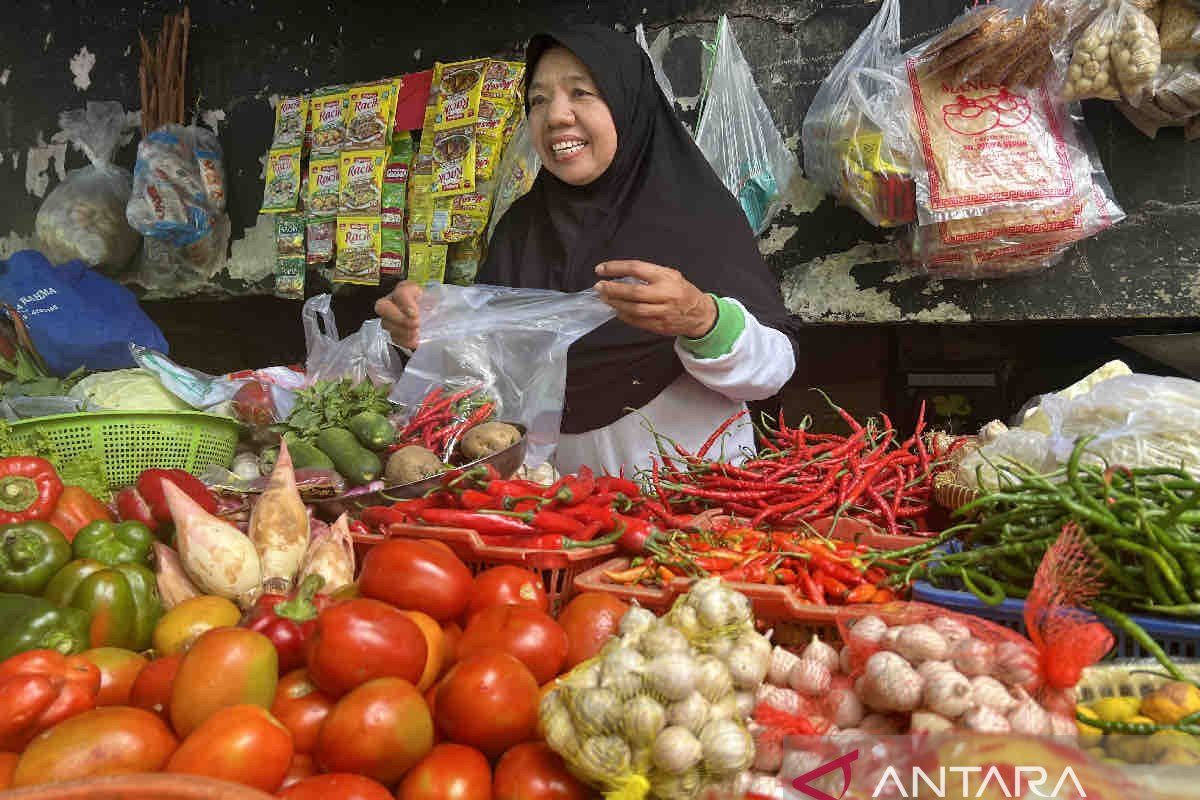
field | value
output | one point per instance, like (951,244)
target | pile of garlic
(667,701)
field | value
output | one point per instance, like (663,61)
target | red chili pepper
(832,587)
(572,490)
(607,484)
(703,451)
(861,593)
(474,499)
(812,591)
(554,522)
(29,489)
(401,512)
(492,524)
(289,621)
(634,533)
(883,596)
(788,577)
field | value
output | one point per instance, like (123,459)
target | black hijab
(659,201)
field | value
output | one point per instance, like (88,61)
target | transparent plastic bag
(512,343)
(366,353)
(165,270)
(1090,69)
(738,136)
(518,167)
(853,142)
(84,217)
(1137,53)
(1007,42)
(1179,30)
(178,185)
(655,52)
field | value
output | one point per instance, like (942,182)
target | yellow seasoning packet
(454,160)
(369,115)
(502,80)
(456,219)
(419,213)
(427,262)
(282,189)
(324,187)
(361,173)
(291,115)
(328,119)
(459,86)
(358,249)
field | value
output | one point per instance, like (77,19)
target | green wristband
(719,341)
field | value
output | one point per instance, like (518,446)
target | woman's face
(572,128)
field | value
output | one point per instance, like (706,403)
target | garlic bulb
(985,719)
(757,642)
(889,639)
(715,610)
(931,668)
(929,722)
(890,684)
(727,747)
(920,643)
(691,712)
(643,719)
(673,675)
(725,708)
(596,711)
(845,708)
(778,698)
(1062,725)
(684,619)
(622,672)
(601,757)
(846,660)
(636,620)
(677,750)
(745,703)
(747,666)
(991,693)
(669,786)
(952,630)
(712,678)
(869,629)
(782,662)
(1016,664)
(1028,717)
(974,657)
(810,678)
(585,676)
(948,694)
(821,653)
(559,733)
(660,639)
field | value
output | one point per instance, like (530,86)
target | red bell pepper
(29,489)
(41,688)
(145,502)
(289,621)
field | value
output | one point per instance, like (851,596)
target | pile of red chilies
(443,417)
(799,476)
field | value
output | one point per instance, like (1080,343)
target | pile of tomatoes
(423,685)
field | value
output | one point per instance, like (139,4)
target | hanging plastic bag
(1091,71)
(179,185)
(655,53)
(518,167)
(512,343)
(853,140)
(84,217)
(738,136)
(367,353)
(1137,53)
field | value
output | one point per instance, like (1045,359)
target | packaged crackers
(358,250)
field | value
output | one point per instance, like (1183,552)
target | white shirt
(710,391)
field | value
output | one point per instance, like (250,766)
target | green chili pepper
(1139,635)
(30,555)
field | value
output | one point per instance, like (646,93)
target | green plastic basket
(130,442)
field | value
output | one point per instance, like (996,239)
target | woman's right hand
(400,315)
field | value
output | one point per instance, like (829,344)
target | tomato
(507,585)
(116,740)
(359,640)
(453,635)
(254,405)
(416,575)
(449,772)
(301,707)
(488,701)
(529,635)
(151,688)
(243,744)
(435,646)
(183,624)
(590,620)
(381,729)
(8,765)
(337,786)
(225,667)
(119,668)
(303,766)
(532,771)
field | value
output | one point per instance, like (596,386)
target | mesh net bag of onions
(662,710)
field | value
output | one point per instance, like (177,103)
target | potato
(410,464)
(488,438)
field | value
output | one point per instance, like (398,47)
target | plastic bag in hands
(511,342)
(853,140)
(738,136)
(84,217)
(179,185)
(367,353)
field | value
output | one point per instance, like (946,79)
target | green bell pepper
(31,553)
(122,601)
(32,623)
(114,543)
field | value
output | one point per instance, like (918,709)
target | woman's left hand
(664,302)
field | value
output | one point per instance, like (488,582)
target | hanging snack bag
(290,272)
(324,187)
(463,260)
(291,114)
(328,119)
(459,87)
(1136,54)
(361,182)
(207,151)
(395,198)
(368,115)
(282,190)
(502,80)
(358,249)
(289,234)
(458,218)
(319,240)
(1091,72)
(489,136)
(419,215)
(427,262)
(454,160)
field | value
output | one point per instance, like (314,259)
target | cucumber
(373,430)
(357,464)
(306,455)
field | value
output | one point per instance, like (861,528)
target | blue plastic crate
(1178,639)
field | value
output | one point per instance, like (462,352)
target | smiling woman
(626,196)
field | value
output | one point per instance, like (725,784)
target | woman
(625,193)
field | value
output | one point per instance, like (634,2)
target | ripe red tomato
(151,688)
(360,640)
(116,740)
(253,405)
(225,667)
(119,668)
(303,766)
(532,770)
(451,635)
(301,707)
(530,635)
(590,620)
(381,729)
(243,744)
(449,772)
(507,585)
(488,701)
(337,786)
(416,575)
(8,765)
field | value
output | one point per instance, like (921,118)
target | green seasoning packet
(289,277)
(289,234)
(427,262)
(395,197)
